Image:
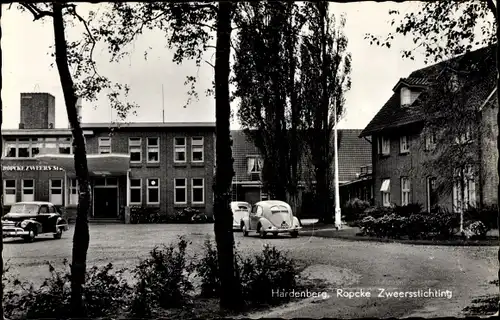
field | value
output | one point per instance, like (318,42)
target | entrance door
(105,202)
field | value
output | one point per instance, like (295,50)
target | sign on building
(31,168)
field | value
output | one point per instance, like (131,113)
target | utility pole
(338,216)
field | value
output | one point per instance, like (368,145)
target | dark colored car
(28,219)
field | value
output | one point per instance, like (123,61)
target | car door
(44,216)
(255,216)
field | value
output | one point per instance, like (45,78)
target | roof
(40,132)
(354,152)
(105,125)
(391,115)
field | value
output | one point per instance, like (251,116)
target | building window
(135,149)
(153,191)
(64,145)
(469,190)
(56,193)
(384,146)
(254,165)
(10,147)
(197,149)
(405,96)
(153,150)
(104,145)
(180,195)
(197,191)
(73,197)
(465,136)
(135,191)
(23,148)
(9,192)
(405,191)
(430,141)
(404,144)
(385,189)
(180,149)
(28,190)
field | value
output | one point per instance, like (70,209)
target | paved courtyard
(346,265)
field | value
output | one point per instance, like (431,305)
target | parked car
(271,216)
(28,219)
(240,210)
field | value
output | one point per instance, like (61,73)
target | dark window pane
(197,182)
(198,195)
(28,191)
(135,182)
(153,182)
(111,181)
(153,156)
(24,153)
(10,183)
(52,209)
(135,156)
(56,191)
(56,183)
(180,156)
(10,191)
(35,151)
(24,139)
(152,142)
(197,156)
(153,195)
(180,182)
(28,183)
(180,195)
(180,141)
(74,191)
(11,153)
(100,182)
(135,195)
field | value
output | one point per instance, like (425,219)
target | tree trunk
(230,285)
(1,194)
(498,122)
(462,199)
(81,235)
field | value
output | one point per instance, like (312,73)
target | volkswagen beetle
(271,216)
(28,219)
(240,210)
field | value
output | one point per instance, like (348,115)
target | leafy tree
(89,84)
(325,66)
(265,71)
(189,28)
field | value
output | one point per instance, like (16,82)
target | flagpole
(338,217)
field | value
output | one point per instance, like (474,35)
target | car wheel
(275,234)
(262,233)
(244,230)
(30,237)
(294,234)
(58,234)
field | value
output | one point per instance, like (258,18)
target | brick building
(166,166)
(354,172)
(400,144)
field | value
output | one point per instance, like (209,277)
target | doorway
(105,202)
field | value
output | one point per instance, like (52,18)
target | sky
(158,84)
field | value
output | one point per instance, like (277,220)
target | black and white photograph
(250,159)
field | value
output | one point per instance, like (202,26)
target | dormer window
(405,96)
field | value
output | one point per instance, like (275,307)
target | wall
(490,154)
(37,110)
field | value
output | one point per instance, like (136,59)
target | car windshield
(24,208)
(243,208)
(278,209)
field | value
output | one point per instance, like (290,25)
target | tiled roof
(391,115)
(354,152)
(412,81)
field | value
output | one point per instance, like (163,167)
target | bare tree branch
(37,13)
(492,8)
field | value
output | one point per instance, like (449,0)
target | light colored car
(240,210)
(271,216)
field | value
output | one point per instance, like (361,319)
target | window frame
(184,147)
(23,188)
(202,146)
(136,188)
(386,193)
(51,188)
(202,187)
(149,187)
(384,143)
(404,144)
(135,142)
(180,187)
(405,191)
(405,95)
(148,147)
(102,145)
(258,163)
(74,187)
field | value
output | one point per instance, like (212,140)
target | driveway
(348,265)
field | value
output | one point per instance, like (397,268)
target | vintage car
(240,210)
(28,219)
(271,216)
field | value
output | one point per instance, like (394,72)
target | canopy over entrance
(98,164)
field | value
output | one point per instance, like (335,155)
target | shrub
(417,226)
(443,223)
(476,230)
(488,215)
(188,215)
(378,211)
(368,225)
(353,209)
(141,214)
(408,210)
(163,278)
(104,293)
(207,271)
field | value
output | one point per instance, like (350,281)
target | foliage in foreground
(162,281)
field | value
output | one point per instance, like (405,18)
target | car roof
(35,202)
(240,203)
(270,203)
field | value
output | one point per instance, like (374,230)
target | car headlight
(24,224)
